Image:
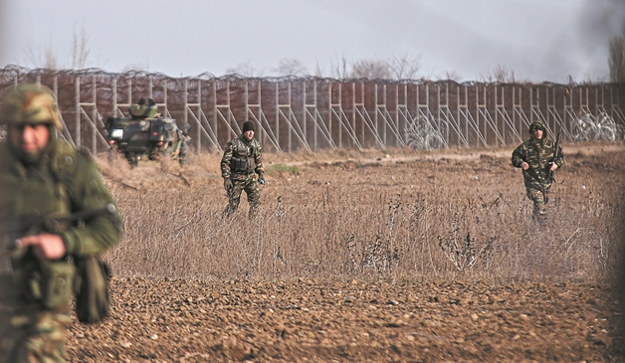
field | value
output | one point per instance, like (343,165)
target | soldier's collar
(244,139)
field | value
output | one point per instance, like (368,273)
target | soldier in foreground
(41,175)
(242,160)
(539,157)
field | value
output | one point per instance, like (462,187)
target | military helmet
(30,104)
(537,125)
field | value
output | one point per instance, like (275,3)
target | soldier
(41,174)
(243,158)
(536,157)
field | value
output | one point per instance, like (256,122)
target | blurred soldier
(537,157)
(41,174)
(243,158)
(182,143)
(141,110)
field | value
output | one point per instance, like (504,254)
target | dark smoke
(599,21)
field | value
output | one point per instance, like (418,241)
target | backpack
(91,287)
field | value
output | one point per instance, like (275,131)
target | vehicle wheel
(155,154)
(133,159)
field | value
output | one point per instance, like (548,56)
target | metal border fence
(320,113)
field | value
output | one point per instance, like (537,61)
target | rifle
(556,154)
(88,274)
(48,222)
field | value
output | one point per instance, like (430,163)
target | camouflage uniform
(243,159)
(538,153)
(34,328)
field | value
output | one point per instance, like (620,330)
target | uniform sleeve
(88,191)
(258,159)
(518,156)
(225,160)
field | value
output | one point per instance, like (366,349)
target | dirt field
(305,320)
(556,303)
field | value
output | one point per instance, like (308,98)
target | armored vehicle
(146,133)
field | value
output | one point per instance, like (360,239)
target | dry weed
(452,217)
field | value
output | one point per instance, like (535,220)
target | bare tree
(617,59)
(50,59)
(80,49)
(591,77)
(405,66)
(371,69)
(451,76)
(291,67)
(499,74)
(318,72)
(245,69)
(340,70)
(402,67)
(45,60)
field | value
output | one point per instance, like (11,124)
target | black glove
(261,178)
(227,184)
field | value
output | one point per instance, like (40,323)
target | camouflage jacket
(63,181)
(538,154)
(241,158)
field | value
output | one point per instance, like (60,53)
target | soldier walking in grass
(242,160)
(538,158)
(41,175)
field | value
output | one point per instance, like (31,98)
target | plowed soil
(167,320)
(314,321)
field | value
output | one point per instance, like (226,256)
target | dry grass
(345,214)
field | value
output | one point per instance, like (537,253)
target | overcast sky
(540,40)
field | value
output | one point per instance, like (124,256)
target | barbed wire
(421,134)
(602,127)
(10,72)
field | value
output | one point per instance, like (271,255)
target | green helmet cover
(30,104)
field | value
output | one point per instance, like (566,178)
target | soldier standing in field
(537,157)
(43,175)
(242,160)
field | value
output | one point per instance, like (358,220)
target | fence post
(77,108)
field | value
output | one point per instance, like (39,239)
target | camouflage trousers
(540,199)
(28,332)
(250,185)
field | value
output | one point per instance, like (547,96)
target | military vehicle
(146,133)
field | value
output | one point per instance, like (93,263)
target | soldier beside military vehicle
(242,158)
(147,133)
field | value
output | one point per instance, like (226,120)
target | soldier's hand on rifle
(261,178)
(227,184)
(525,165)
(46,246)
(553,166)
